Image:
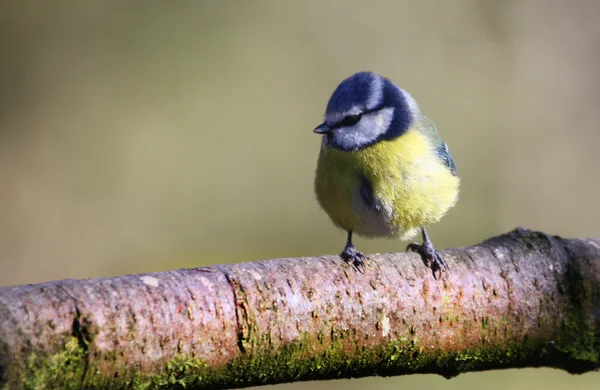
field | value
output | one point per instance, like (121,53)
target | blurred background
(138,138)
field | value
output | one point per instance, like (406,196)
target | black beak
(323,128)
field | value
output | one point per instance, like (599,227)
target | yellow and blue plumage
(383,170)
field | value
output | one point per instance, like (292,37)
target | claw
(354,257)
(431,257)
(413,247)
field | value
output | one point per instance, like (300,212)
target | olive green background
(157,135)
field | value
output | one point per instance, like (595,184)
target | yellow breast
(408,180)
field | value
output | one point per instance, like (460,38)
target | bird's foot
(431,258)
(352,256)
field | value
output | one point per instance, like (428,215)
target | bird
(383,170)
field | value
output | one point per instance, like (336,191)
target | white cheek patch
(410,101)
(366,131)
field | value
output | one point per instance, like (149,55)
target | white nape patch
(150,281)
(367,130)
(410,101)
(376,96)
(336,117)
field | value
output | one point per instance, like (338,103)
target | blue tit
(383,170)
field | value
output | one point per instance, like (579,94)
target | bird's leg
(431,258)
(351,255)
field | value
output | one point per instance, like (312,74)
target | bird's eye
(350,120)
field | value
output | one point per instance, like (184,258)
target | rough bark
(524,299)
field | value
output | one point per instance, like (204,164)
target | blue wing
(446,157)
(426,126)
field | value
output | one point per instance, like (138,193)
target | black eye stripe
(351,120)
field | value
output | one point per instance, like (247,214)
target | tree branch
(524,299)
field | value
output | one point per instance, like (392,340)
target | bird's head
(364,109)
